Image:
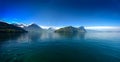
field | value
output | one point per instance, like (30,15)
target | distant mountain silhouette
(70,29)
(50,29)
(33,28)
(9,28)
(82,29)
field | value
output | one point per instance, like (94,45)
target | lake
(55,47)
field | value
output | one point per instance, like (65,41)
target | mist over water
(55,47)
(98,20)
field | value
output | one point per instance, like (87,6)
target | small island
(70,29)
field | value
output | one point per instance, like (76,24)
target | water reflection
(9,36)
(72,35)
(49,36)
(81,36)
(53,47)
(37,37)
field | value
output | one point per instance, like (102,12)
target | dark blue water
(53,47)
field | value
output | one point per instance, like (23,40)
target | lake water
(54,47)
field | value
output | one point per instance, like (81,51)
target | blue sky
(61,12)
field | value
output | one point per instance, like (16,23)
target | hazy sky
(62,12)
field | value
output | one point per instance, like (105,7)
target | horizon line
(57,27)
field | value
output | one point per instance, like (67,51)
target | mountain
(50,29)
(70,29)
(9,28)
(33,28)
(82,29)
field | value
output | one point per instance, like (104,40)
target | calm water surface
(54,47)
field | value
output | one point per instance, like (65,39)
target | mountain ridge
(9,28)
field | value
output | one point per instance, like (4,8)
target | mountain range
(14,27)
(34,28)
(9,28)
